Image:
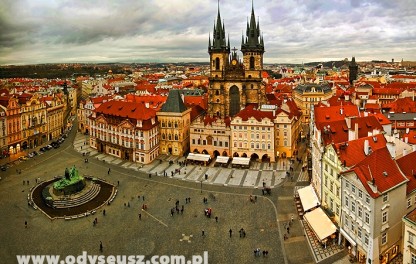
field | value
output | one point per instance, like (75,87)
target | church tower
(219,50)
(233,83)
(252,47)
(353,67)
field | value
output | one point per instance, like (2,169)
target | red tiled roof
(382,119)
(401,76)
(400,105)
(202,101)
(411,137)
(333,113)
(252,111)
(196,110)
(209,120)
(264,74)
(372,108)
(337,131)
(352,152)
(392,91)
(407,165)
(380,168)
(132,110)
(338,100)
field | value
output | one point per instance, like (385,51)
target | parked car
(43,149)
(22,158)
(48,147)
(3,168)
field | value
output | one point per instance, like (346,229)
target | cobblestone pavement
(273,174)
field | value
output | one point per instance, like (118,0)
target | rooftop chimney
(356,130)
(366,147)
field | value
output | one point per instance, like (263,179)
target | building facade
(307,95)
(174,120)
(33,121)
(126,130)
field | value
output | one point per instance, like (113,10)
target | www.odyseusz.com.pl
(85,258)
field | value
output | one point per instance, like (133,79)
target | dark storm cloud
(35,31)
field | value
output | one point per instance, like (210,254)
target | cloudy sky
(295,31)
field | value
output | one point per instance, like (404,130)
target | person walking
(203,232)
(231,232)
(25,224)
(101,246)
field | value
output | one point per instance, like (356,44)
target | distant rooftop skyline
(53,31)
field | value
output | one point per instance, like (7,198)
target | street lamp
(201,186)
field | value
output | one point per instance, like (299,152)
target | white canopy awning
(222,159)
(308,198)
(241,161)
(320,223)
(198,157)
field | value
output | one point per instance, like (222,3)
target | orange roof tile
(380,168)
(352,152)
(407,165)
(132,110)
(333,113)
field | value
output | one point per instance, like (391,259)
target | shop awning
(222,159)
(320,223)
(198,157)
(308,198)
(241,161)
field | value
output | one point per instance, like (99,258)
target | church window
(217,92)
(217,63)
(234,100)
(251,63)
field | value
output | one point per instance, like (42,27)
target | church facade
(239,122)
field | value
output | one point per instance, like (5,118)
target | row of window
(359,210)
(253,136)
(361,233)
(252,145)
(252,128)
(351,188)
(205,142)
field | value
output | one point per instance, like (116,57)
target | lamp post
(201,186)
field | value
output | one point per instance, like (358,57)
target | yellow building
(33,120)
(55,116)
(174,120)
(307,95)
(13,124)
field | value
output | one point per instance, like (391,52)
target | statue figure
(67,176)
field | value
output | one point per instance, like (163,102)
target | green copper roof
(174,103)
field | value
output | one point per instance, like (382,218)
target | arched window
(251,63)
(176,137)
(234,105)
(217,92)
(217,63)
(169,136)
